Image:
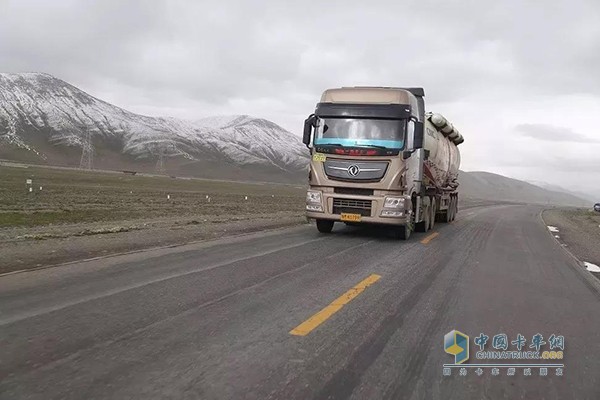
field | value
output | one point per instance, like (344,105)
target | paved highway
(290,314)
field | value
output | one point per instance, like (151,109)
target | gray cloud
(216,50)
(553,133)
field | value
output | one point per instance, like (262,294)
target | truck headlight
(393,202)
(389,213)
(313,201)
(313,197)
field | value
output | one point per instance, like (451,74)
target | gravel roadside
(579,231)
(34,248)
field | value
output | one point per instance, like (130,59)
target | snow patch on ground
(552,228)
(591,267)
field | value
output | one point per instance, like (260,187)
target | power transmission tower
(162,150)
(87,151)
(160,164)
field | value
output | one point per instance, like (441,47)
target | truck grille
(356,191)
(366,171)
(362,207)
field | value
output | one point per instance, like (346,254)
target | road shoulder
(578,231)
(33,253)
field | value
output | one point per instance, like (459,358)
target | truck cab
(368,160)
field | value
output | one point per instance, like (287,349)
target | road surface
(213,320)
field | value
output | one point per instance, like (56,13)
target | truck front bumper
(371,209)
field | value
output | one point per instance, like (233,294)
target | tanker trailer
(378,158)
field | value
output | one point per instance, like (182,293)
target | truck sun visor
(383,111)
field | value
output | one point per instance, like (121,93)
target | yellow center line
(430,237)
(307,326)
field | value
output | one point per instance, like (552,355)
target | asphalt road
(213,320)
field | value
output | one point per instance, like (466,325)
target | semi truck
(377,157)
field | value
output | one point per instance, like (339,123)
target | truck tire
(455,205)
(324,225)
(402,232)
(447,215)
(453,208)
(424,225)
(433,212)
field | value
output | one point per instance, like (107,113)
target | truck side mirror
(406,154)
(418,142)
(308,125)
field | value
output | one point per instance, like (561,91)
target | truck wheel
(433,212)
(423,226)
(453,208)
(402,232)
(324,225)
(447,215)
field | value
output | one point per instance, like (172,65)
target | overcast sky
(521,82)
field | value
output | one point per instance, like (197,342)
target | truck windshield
(353,132)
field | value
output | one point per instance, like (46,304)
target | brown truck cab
(369,162)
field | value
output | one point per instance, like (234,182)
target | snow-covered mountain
(46,120)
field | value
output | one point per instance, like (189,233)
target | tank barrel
(446,128)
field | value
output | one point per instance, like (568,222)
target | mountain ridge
(37,106)
(490,186)
(556,188)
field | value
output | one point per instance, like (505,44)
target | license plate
(319,157)
(351,217)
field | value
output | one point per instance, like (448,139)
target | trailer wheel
(433,212)
(324,225)
(454,207)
